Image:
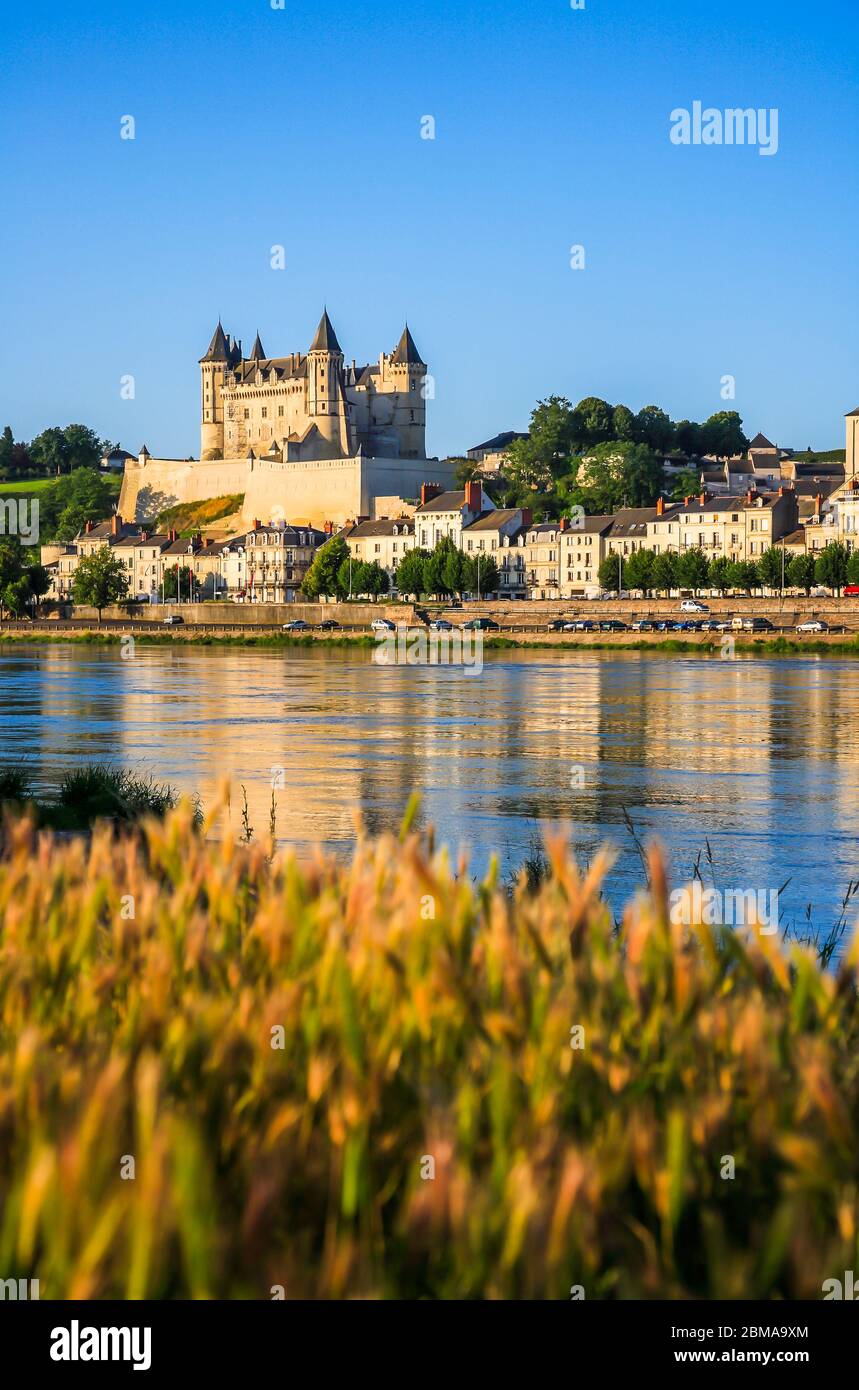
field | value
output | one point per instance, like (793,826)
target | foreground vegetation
(225,1074)
(90,793)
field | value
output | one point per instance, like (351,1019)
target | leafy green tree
(611,574)
(719,573)
(616,475)
(11,560)
(800,572)
(50,451)
(323,576)
(743,575)
(100,579)
(622,423)
(179,582)
(39,581)
(654,429)
(479,574)
(593,423)
(831,566)
(68,504)
(665,572)
(443,564)
(722,435)
(83,447)
(452,570)
(17,596)
(639,570)
(409,577)
(687,438)
(693,569)
(7,449)
(536,462)
(770,567)
(853,567)
(687,483)
(466,470)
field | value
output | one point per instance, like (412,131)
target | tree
(39,581)
(742,574)
(83,447)
(685,484)
(612,574)
(409,577)
(7,449)
(831,566)
(376,580)
(800,572)
(100,579)
(49,451)
(687,438)
(623,423)
(720,573)
(770,567)
(536,462)
(593,423)
(616,475)
(722,435)
(665,572)
(639,570)
(452,572)
(443,565)
(693,569)
(17,595)
(466,470)
(68,504)
(11,563)
(323,575)
(178,582)
(853,567)
(654,428)
(479,574)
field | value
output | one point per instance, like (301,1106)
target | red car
(851,591)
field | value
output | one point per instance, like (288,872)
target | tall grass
(357,1079)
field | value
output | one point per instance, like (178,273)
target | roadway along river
(757,756)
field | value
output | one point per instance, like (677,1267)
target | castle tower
(326,403)
(408,372)
(212,369)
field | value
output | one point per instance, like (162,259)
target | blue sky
(301,127)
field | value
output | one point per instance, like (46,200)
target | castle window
(265,412)
(280,410)
(247,415)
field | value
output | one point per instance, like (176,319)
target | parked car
(383,625)
(328,624)
(851,591)
(297,625)
(614,593)
(693,605)
(481,625)
(612,625)
(556,625)
(813,625)
(643,625)
(757,625)
(142,598)
(441,625)
(172,620)
(582,625)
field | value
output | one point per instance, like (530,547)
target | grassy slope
(31,487)
(188,517)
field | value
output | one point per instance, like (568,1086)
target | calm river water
(758,757)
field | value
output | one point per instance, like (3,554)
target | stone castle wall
(307,492)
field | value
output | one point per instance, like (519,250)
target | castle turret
(326,403)
(212,369)
(408,372)
(257,354)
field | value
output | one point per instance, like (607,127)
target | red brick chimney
(818,504)
(115,523)
(257,523)
(564,523)
(686,501)
(173,533)
(328,528)
(87,527)
(750,495)
(660,506)
(703,498)
(473,495)
(527,516)
(428,491)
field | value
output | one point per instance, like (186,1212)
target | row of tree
(54,451)
(649,572)
(446,571)
(333,573)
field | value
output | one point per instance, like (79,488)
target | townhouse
(383,542)
(737,527)
(563,559)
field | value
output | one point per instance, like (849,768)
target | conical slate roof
(405,353)
(326,338)
(257,354)
(218,348)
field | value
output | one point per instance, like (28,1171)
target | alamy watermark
(731,907)
(733,126)
(414,646)
(19,516)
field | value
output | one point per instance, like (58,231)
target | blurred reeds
(282,1050)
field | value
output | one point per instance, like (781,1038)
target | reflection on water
(757,757)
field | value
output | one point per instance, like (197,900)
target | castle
(304,437)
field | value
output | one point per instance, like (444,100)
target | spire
(257,354)
(326,338)
(235,353)
(405,353)
(218,349)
